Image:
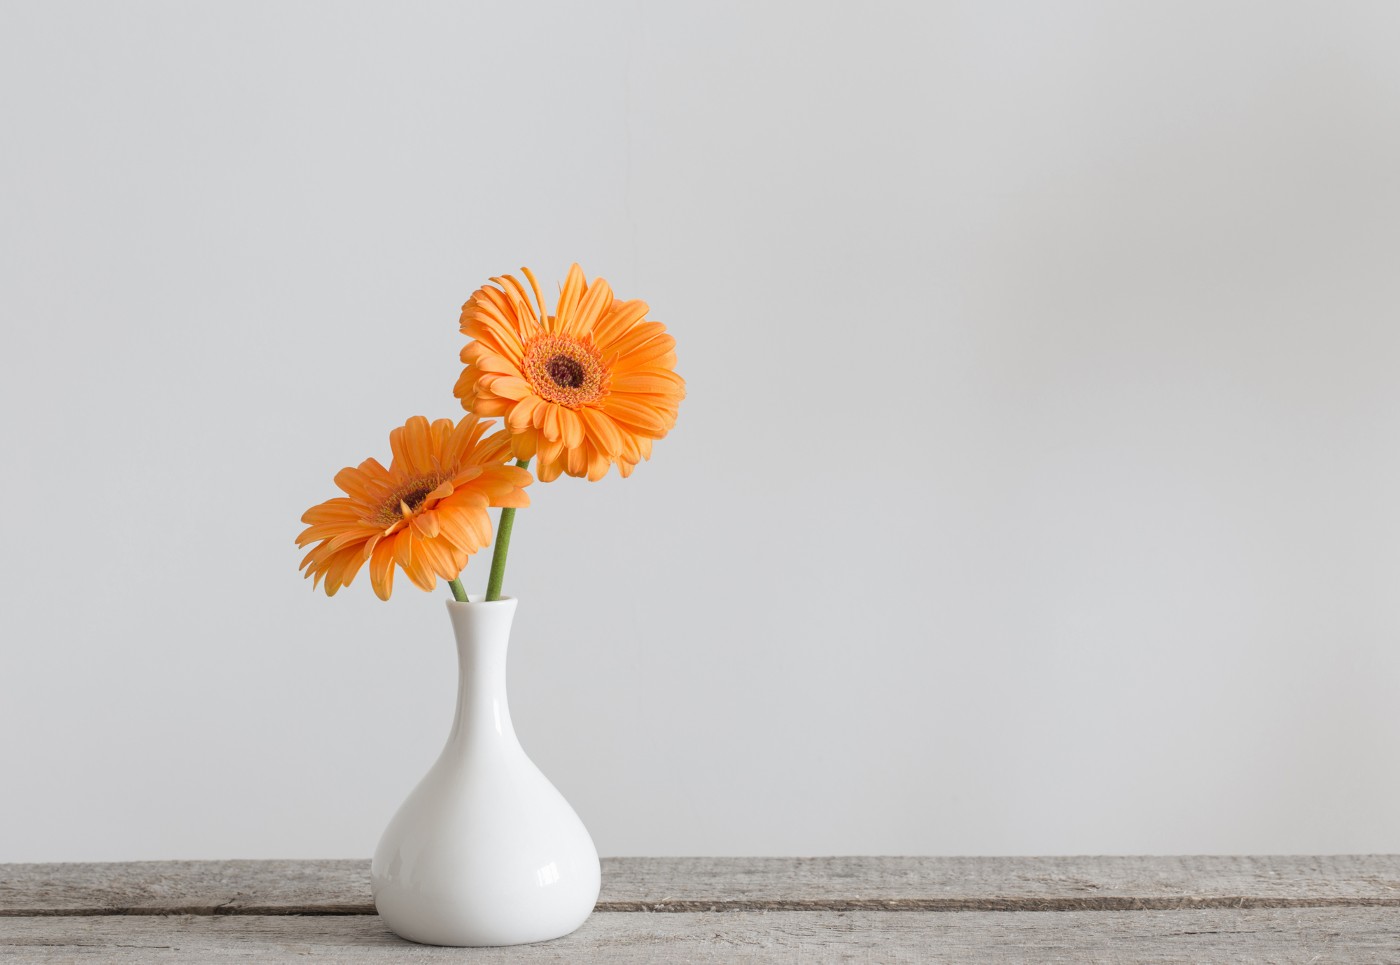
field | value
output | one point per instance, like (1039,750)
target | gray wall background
(1037,491)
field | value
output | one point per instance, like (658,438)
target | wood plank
(1000,884)
(1336,935)
(740,884)
(186,887)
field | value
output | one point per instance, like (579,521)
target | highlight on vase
(425,514)
(588,387)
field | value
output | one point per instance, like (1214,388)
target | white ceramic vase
(485,851)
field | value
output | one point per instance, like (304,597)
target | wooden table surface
(676,910)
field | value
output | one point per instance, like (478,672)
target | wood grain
(1336,935)
(740,884)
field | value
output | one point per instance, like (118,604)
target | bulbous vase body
(485,851)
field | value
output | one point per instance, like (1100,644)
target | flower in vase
(589,386)
(426,513)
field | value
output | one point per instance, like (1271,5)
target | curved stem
(498,555)
(458,593)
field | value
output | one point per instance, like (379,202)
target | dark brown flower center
(566,372)
(415,496)
(405,500)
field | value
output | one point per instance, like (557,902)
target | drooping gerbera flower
(591,385)
(426,512)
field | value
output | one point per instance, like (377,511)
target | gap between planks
(1105,903)
(696,885)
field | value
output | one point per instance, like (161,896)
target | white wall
(1038,489)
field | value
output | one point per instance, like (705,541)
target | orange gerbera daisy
(426,512)
(589,386)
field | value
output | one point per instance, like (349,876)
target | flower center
(565,370)
(414,497)
(405,500)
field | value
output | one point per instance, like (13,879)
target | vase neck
(483,639)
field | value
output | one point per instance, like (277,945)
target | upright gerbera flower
(589,386)
(426,512)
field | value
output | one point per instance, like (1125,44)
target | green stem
(458,593)
(498,555)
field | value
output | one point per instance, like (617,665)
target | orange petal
(578,461)
(426,524)
(598,464)
(549,470)
(523,444)
(619,319)
(353,482)
(601,430)
(625,410)
(518,419)
(468,497)
(492,449)
(463,476)
(381,568)
(339,509)
(414,564)
(466,383)
(633,339)
(551,428)
(438,557)
(496,339)
(515,476)
(515,499)
(572,291)
(468,529)
(535,287)
(549,451)
(462,440)
(511,387)
(571,428)
(358,534)
(336,567)
(658,352)
(647,382)
(515,292)
(596,301)
(407,442)
(319,532)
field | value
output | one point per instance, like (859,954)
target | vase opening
(476,599)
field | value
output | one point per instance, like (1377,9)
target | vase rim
(477,599)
